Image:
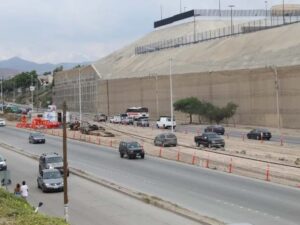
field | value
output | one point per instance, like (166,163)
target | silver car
(165,139)
(50,180)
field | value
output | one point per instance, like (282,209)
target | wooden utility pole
(66,201)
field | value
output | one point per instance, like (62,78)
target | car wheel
(154,143)
(143,156)
(122,155)
(38,185)
(44,189)
(198,144)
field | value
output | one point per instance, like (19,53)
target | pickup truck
(209,139)
(165,122)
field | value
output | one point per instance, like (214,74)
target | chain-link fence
(235,29)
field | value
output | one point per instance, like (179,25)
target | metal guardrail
(236,29)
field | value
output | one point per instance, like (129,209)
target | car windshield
(53,159)
(37,135)
(212,135)
(170,136)
(133,145)
(52,175)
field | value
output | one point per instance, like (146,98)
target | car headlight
(47,184)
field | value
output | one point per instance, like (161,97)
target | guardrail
(236,29)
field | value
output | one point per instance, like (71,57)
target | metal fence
(235,29)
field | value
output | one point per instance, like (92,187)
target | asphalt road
(232,132)
(90,203)
(227,197)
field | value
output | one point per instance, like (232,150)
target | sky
(58,31)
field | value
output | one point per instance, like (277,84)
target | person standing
(24,190)
(17,190)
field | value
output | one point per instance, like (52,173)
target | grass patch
(16,211)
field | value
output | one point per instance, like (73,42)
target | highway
(232,132)
(226,197)
(90,203)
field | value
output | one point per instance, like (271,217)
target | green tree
(58,69)
(189,106)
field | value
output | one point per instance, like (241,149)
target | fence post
(178,155)
(194,158)
(230,166)
(160,152)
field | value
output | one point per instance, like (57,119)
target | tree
(58,69)
(189,106)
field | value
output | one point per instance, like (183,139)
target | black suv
(51,161)
(132,149)
(215,128)
(210,139)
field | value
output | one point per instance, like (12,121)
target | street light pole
(2,93)
(231,24)
(277,99)
(283,19)
(219,8)
(79,87)
(171,96)
(266,4)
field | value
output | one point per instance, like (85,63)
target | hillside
(19,64)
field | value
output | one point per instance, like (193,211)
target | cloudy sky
(86,30)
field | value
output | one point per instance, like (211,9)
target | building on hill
(241,69)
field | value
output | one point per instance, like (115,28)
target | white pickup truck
(165,122)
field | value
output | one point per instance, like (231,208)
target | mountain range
(15,65)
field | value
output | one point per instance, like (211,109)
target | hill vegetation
(16,211)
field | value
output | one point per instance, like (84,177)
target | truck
(165,122)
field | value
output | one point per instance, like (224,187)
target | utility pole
(277,98)
(66,201)
(31,89)
(231,6)
(79,86)
(180,7)
(2,102)
(219,8)
(283,19)
(156,95)
(161,12)
(171,96)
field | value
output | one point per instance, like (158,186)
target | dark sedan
(210,139)
(50,180)
(35,138)
(259,134)
(215,128)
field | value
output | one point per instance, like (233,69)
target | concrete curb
(148,199)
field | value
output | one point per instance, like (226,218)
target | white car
(115,119)
(165,122)
(2,123)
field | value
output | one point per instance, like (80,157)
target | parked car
(35,138)
(259,134)
(165,122)
(3,165)
(50,180)
(127,120)
(165,139)
(2,122)
(209,139)
(131,149)
(100,117)
(143,122)
(215,128)
(115,119)
(52,161)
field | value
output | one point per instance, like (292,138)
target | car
(165,122)
(50,180)
(52,161)
(115,119)
(127,120)
(209,139)
(165,139)
(3,165)
(2,122)
(143,122)
(215,128)
(100,117)
(37,137)
(131,149)
(259,134)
